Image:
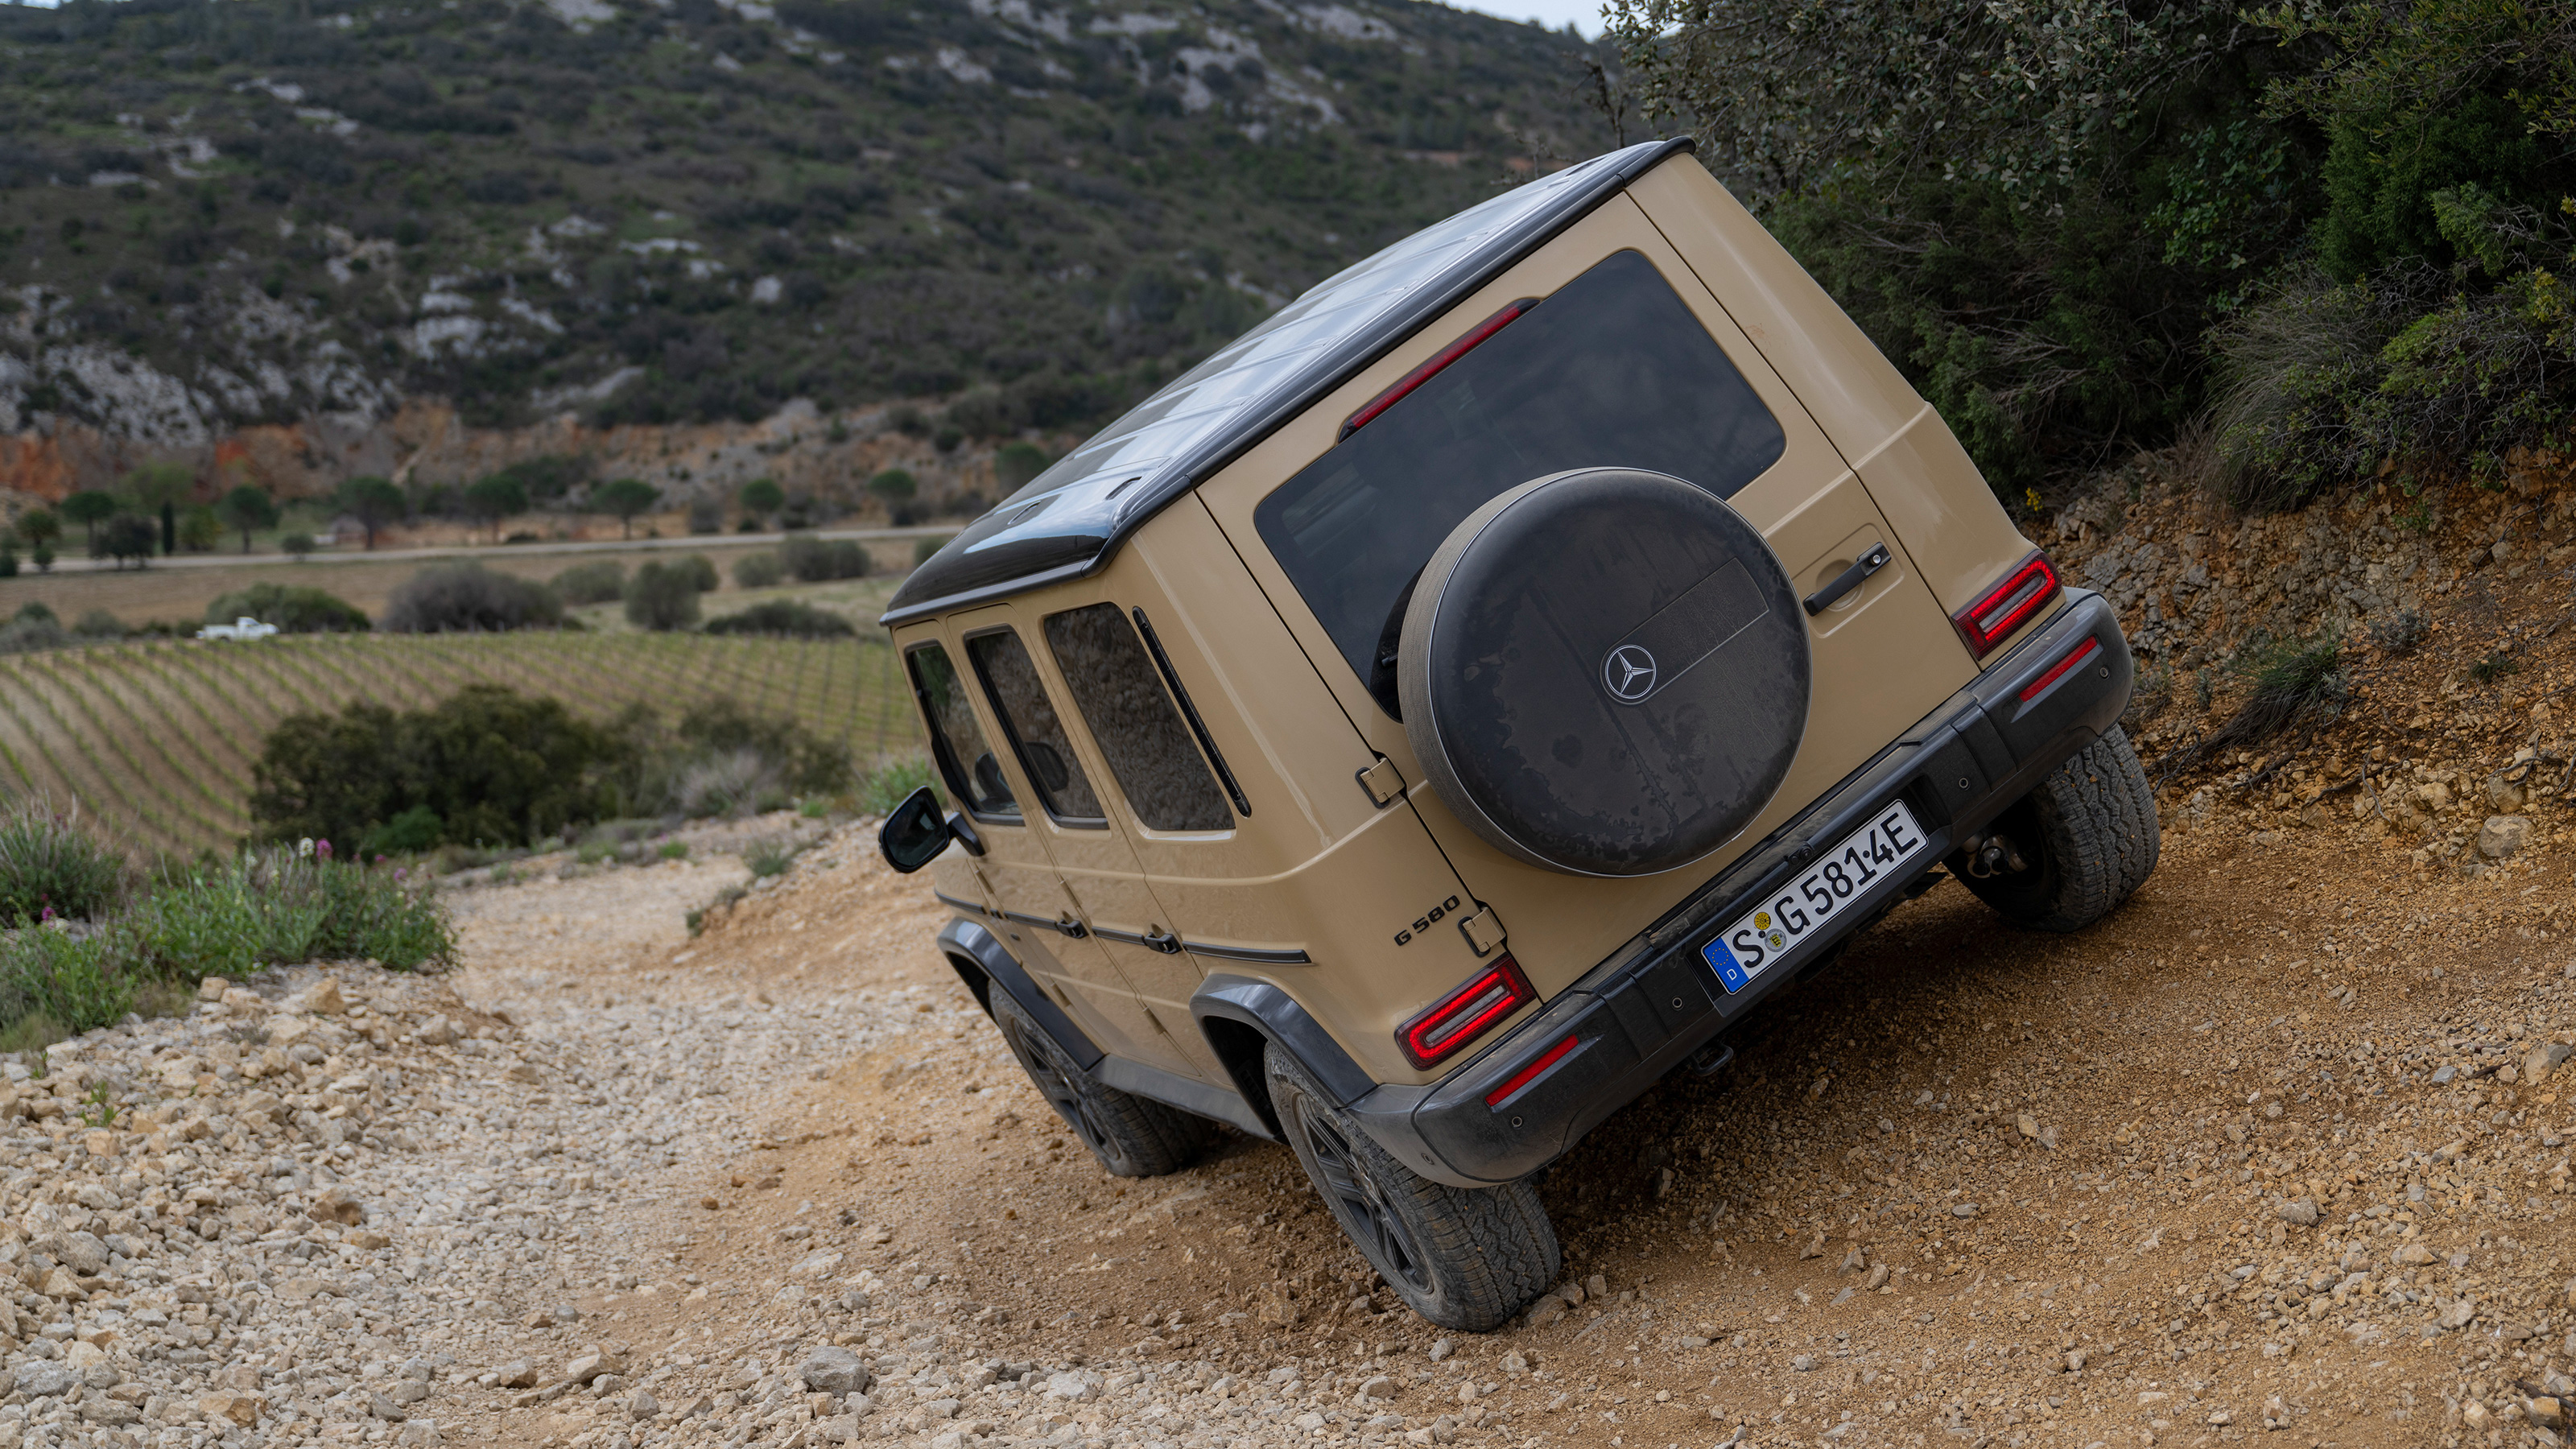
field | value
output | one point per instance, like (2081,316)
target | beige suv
(1454,705)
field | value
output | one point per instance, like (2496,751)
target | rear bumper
(1656,1002)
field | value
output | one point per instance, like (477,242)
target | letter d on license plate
(1799,910)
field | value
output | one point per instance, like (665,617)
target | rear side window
(1037,734)
(956,740)
(1132,720)
(1612,370)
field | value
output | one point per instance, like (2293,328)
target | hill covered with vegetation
(218,213)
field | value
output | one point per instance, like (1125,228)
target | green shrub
(662,597)
(814,561)
(890,783)
(467,597)
(895,485)
(784,616)
(409,832)
(673,850)
(701,572)
(293,608)
(50,864)
(276,907)
(758,571)
(101,625)
(34,627)
(602,582)
(52,982)
(769,857)
(491,766)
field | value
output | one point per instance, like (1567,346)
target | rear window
(956,741)
(1166,783)
(1612,370)
(1036,731)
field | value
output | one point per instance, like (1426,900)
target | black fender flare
(980,960)
(1239,1015)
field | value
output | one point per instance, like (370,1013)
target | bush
(926,549)
(467,597)
(489,767)
(814,561)
(33,627)
(293,608)
(662,597)
(758,571)
(100,624)
(706,515)
(127,538)
(701,571)
(53,984)
(278,906)
(724,760)
(888,785)
(784,616)
(603,582)
(48,863)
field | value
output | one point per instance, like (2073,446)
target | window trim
(943,755)
(1189,714)
(1011,733)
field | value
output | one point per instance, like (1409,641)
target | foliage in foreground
(49,865)
(491,767)
(262,908)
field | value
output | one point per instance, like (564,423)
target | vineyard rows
(158,739)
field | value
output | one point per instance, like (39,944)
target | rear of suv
(1461,700)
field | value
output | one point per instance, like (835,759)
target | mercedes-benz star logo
(1628,673)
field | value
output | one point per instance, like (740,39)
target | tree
(155,485)
(373,501)
(127,536)
(661,597)
(199,529)
(894,485)
(626,497)
(248,508)
(298,544)
(40,525)
(762,497)
(494,498)
(89,509)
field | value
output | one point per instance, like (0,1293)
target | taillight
(1464,1014)
(1431,369)
(2008,605)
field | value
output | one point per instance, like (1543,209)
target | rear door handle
(1848,580)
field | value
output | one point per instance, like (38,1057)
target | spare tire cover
(1605,672)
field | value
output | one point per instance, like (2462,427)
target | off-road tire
(1132,1137)
(1466,1258)
(2088,835)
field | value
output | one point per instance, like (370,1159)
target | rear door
(1624,359)
(1093,876)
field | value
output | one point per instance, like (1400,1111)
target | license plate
(1801,908)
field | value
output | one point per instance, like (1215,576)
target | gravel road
(2277,1149)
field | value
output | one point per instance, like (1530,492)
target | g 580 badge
(1424,924)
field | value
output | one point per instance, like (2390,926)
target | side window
(1132,720)
(1029,718)
(956,741)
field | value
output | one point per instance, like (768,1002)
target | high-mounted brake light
(1427,371)
(2008,605)
(2078,655)
(1465,1014)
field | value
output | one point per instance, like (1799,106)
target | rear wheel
(2074,848)
(1464,1258)
(1132,1137)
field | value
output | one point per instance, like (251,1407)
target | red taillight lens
(2008,605)
(1427,371)
(2039,686)
(1465,1014)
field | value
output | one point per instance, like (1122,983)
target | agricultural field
(159,593)
(156,741)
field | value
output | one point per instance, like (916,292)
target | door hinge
(1383,782)
(1483,930)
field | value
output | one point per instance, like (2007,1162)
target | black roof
(1071,518)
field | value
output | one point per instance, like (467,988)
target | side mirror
(919,831)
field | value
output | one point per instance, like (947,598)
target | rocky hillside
(256,214)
